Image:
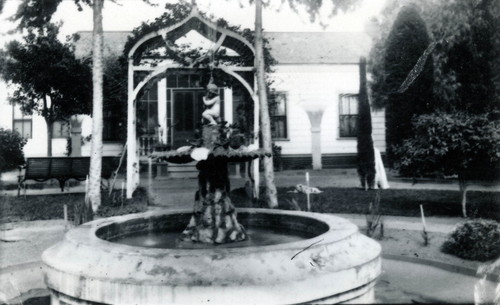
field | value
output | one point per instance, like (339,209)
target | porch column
(162,110)
(315,103)
(132,156)
(228,105)
(315,118)
(76,135)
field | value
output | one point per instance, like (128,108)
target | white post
(315,120)
(132,160)
(65,212)
(162,109)
(228,105)
(423,217)
(308,193)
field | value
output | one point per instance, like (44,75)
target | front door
(187,109)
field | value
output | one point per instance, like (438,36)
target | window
(348,115)
(22,123)
(277,105)
(147,111)
(60,129)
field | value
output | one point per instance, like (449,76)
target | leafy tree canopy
(466,53)
(44,68)
(37,13)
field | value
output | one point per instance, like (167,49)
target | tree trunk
(463,193)
(50,125)
(271,193)
(97,83)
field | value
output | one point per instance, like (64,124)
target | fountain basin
(331,262)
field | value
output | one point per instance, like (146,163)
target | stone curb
(441,265)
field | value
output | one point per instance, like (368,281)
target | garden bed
(393,202)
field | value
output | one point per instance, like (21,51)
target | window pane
(194,80)
(27,129)
(18,126)
(348,104)
(17,113)
(183,80)
(153,92)
(353,105)
(152,118)
(60,129)
(23,127)
(279,127)
(281,104)
(172,81)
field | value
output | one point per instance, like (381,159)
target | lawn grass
(44,207)
(395,202)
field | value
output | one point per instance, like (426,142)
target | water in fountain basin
(169,240)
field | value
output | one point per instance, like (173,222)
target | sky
(124,15)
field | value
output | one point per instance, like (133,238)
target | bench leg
(61,184)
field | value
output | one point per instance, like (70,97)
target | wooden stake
(65,212)
(423,217)
(308,195)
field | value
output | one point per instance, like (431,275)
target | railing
(147,144)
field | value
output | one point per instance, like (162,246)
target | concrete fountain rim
(85,235)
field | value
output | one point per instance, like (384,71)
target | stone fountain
(214,253)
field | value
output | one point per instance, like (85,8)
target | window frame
(350,134)
(62,124)
(22,120)
(285,115)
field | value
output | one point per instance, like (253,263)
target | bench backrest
(44,168)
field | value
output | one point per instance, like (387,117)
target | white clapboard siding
(309,84)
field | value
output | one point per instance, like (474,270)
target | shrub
(11,150)
(474,240)
(115,205)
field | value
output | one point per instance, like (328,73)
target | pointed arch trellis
(221,37)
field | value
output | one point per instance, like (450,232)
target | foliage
(37,13)
(11,150)
(394,202)
(277,157)
(466,55)
(186,54)
(49,79)
(405,44)
(374,217)
(475,240)
(366,153)
(43,67)
(448,144)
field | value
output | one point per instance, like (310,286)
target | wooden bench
(62,169)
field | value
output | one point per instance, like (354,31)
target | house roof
(286,47)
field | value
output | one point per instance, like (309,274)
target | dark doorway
(187,108)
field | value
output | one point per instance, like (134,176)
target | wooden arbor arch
(221,37)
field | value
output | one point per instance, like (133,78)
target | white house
(315,86)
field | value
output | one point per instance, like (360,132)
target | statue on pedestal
(212,101)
